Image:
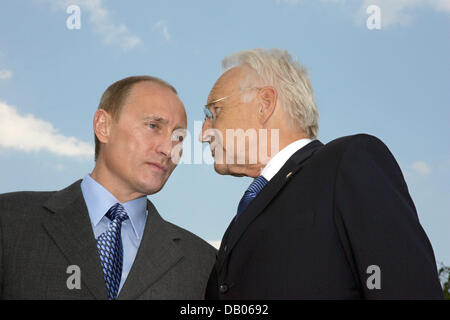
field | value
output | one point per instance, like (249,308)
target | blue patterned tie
(252,191)
(109,245)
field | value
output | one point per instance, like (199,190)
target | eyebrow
(215,101)
(157,119)
(162,120)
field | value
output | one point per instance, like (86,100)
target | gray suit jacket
(43,233)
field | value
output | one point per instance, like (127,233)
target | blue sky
(392,83)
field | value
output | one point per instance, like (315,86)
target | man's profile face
(231,115)
(139,148)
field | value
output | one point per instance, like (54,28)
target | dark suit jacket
(330,212)
(42,233)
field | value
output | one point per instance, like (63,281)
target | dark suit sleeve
(381,227)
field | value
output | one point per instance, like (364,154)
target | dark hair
(114,97)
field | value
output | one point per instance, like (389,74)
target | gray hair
(278,69)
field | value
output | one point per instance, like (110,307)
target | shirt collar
(99,200)
(274,165)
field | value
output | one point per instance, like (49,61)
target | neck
(289,137)
(264,156)
(112,183)
(285,138)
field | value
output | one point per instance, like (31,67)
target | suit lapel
(157,254)
(237,228)
(70,228)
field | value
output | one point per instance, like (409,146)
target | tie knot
(252,191)
(257,185)
(117,212)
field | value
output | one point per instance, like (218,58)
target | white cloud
(5,74)
(294,2)
(400,12)
(441,5)
(393,12)
(421,168)
(161,26)
(215,243)
(102,22)
(27,133)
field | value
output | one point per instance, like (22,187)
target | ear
(102,125)
(267,103)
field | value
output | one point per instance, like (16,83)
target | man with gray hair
(332,221)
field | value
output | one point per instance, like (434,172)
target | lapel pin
(288,175)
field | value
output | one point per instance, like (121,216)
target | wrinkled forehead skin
(229,82)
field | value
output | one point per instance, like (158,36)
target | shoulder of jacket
(22,197)
(352,139)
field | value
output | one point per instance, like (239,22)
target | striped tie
(255,187)
(109,245)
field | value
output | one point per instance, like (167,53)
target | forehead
(148,98)
(227,83)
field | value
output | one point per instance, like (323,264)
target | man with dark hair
(101,238)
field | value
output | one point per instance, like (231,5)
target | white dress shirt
(277,162)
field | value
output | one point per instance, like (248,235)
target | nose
(204,135)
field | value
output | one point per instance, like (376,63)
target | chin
(225,170)
(148,190)
(151,188)
(152,182)
(235,171)
(221,169)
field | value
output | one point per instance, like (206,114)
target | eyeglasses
(209,114)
